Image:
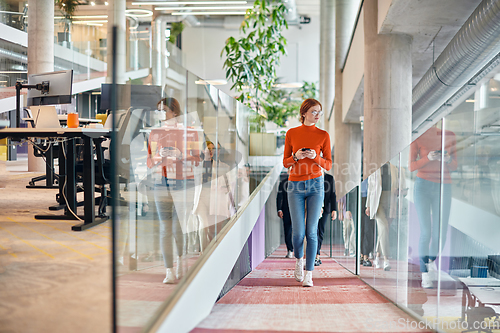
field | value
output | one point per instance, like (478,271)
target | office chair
(103,163)
(45,117)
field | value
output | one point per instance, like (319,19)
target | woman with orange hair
(307,152)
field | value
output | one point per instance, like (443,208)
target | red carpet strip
(270,300)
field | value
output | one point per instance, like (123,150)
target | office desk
(63,118)
(474,294)
(485,295)
(68,164)
(49,154)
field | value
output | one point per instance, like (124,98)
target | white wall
(354,68)
(202,47)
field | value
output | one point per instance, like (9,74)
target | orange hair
(306,105)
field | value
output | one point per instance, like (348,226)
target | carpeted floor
(51,278)
(270,300)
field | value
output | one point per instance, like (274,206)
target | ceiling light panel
(189,3)
(208,13)
(204,8)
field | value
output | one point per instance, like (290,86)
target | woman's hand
(311,154)
(299,154)
(170,152)
(433,155)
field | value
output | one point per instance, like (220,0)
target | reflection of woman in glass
(427,156)
(303,146)
(377,207)
(381,205)
(163,151)
(217,203)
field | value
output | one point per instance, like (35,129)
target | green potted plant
(281,105)
(251,60)
(251,63)
(175,30)
(68,9)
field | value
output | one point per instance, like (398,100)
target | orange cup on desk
(73,121)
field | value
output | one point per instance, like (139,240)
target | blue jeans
(427,204)
(301,193)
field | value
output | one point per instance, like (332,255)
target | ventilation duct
(472,47)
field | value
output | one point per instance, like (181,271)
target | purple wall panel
(257,241)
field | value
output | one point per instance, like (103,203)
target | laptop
(45,117)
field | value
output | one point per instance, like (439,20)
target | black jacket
(330,203)
(282,197)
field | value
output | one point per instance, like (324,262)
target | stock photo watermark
(429,324)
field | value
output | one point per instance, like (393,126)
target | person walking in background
(367,232)
(163,155)
(329,210)
(381,204)
(284,213)
(307,152)
(432,194)
(348,230)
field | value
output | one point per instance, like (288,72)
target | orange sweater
(429,141)
(307,137)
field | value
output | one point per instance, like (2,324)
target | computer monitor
(59,92)
(138,96)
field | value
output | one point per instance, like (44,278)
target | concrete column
(40,54)
(327,62)
(347,153)
(116,17)
(387,88)
(158,27)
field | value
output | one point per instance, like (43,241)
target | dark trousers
(287,225)
(321,228)
(367,230)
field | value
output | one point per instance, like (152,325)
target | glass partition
(468,272)
(439,197)
(381,225)
(183,171)
(348,217)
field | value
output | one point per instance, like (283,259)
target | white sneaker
(370,256)
(308,279)
(299,270)
(376,262)
(387,265)
(169,278)
(432,270)
(426,281)
(289,254)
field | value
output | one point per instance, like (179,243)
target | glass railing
(184,171)
(15,20)
(430,233)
